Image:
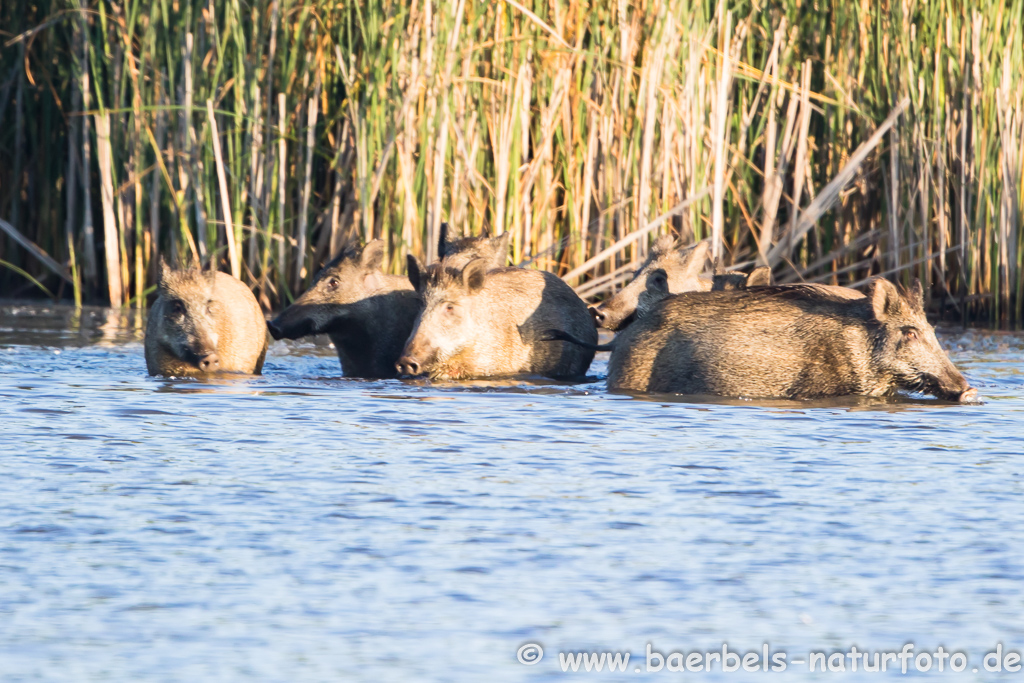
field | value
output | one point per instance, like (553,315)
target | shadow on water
(890,404)
(514,384)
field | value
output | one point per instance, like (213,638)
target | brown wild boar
(204,321)
(484,322)
(682,267)
(790,342)
(367,315)
(456,251)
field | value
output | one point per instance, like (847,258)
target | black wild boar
(204,322)
(367,315)
(790,342)
(456,251)
(681,266)
(484,322)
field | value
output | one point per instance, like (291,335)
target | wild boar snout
(409,366)
(969,396)
(610,315)
(293,322)
(954,386)
(209,362)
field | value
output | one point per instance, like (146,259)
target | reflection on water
(301,526)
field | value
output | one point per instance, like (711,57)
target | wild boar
(458,251)
(202,322)
(367,315)
(484,322)
(682,267)
(790,342)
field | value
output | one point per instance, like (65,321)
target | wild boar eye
(909,333)
(449,307)
(333,283)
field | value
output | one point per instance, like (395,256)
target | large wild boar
(456,251)
(367,315)
(682,267)
(204,322)
(484,322)
(791,342)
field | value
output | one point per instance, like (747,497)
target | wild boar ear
(210,272)
(474,274)
(664,244)
(442,241)
(165,272)
(415,272)
(373,255)
(760,277)
(657,282)
(501,247)
(885,300)
(693,262)
(916,296)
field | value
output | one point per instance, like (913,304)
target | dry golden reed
(266,134)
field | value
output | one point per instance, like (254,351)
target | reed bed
(833,140)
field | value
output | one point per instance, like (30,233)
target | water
(298,526)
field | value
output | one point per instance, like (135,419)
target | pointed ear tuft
(415,270)
(209,272)
(760,277)
(475,274)
(500,244)
(165,272)
(916,296)
(663,245)
(694,259)
(884,299)
(373,255)
(442,241)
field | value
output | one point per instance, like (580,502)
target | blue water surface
(303,527)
